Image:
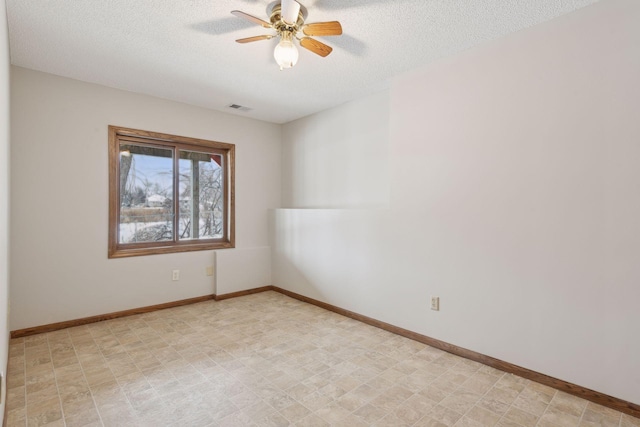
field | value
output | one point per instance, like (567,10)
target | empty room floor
(267,359)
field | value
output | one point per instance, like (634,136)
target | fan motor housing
(279,25)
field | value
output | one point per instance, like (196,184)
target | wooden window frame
(227,151)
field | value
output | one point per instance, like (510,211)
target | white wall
(514,196)
(59,198)
(239,270)
(351,139)
(4,197)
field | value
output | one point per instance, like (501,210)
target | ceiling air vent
(239,107)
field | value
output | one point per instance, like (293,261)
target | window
(168,193)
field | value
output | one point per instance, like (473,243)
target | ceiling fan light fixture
(286,52)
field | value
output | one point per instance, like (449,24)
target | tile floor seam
(24,380)
(541,416)
(482,396)
(585,410)
(126,395)
(84,375)
(519,394)
(505,413)
(548,405)
(56,379)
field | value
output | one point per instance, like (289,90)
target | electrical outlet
(176,275)
(210,270)
(435,303)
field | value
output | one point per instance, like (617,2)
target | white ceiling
(184,50)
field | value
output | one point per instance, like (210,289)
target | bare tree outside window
(201,195)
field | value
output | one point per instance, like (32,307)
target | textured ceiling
(185,50)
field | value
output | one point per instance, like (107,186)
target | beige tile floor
(266,359)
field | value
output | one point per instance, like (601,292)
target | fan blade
(315,46)
(251,18)
(289,11)
(332,28)
(254,39)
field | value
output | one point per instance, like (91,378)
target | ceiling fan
(287,19)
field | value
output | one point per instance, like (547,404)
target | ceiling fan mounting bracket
(280,26)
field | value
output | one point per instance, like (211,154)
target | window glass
(201,196)
(146,189)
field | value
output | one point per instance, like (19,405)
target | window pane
(146,189)
(201,196)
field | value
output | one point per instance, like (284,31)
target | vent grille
(239,107)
